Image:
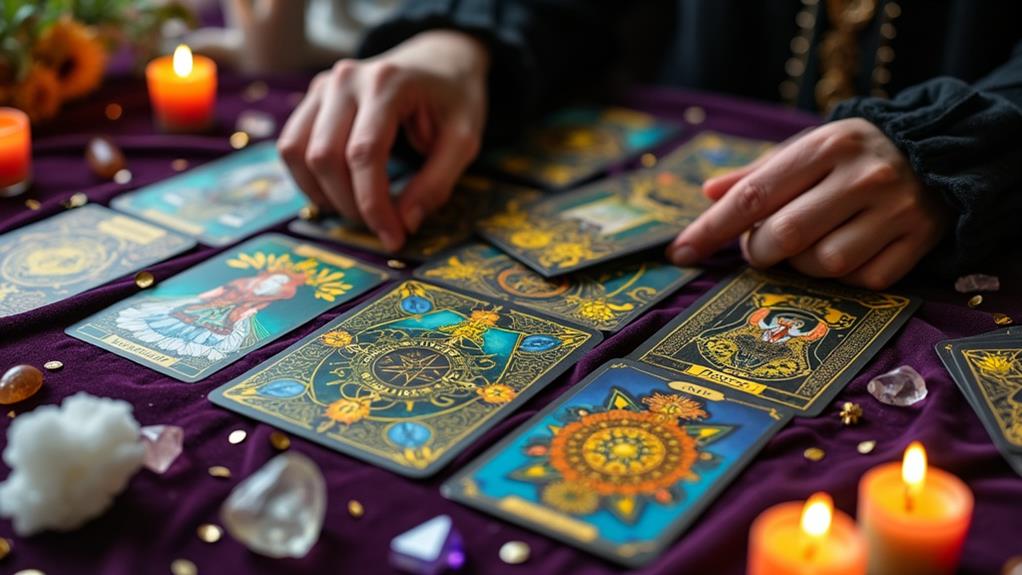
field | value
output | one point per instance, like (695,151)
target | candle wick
(810,550)
(909,500)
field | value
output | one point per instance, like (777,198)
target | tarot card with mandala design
(410,379)
(623,462)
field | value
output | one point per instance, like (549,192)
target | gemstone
(256,123)
(183,567)
(20,383)
(209,532)
(53,365)
(977,282)
(902,386)
(280,441)
(428,549)
(514,552)
(144,279)
(865,447)
(850,413)
(220,472)
(104,157)
(239,140)
(162,445)
(278,510)
(814,454)
(355,508)
(237,436)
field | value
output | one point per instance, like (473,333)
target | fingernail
(413,218)
(683,255)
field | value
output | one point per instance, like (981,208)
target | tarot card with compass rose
(408,380)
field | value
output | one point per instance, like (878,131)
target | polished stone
(20,383)
(163,444)
(104,157)
(902,386)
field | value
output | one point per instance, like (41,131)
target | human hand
(338,140)
(840,201)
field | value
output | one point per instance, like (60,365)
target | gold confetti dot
(280,441)
(30,572)
(355,509)
(695,115)
(144,279)
(183,567)
(514,552)
(237,436)
(309,213)
(123,176)
(255,91)
(32,204)
(76,200)
(220,472)
(865,447)
(1001,319)
(209,533)
(239,140)
(647,160)
(850,413)
(814,453)
(11,414)
(5,547)
(975,300)
(113,111)
(179,165)
(396,264)
(53,365)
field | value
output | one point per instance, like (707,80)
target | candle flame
(182,61)
(913,468)
(817,514)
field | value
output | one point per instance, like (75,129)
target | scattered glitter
(255,91)
(647,160)
(355,509)
(514,552)
(695,115)
(113,111)
(239,140)
(179,165)
(76,200)
(1001,319)
(280,441)
(396,264)
(237,436)
(123,176)
(975,300)
(144,279)
(220,471)
(183,567)
(814,453)
(32,204)
(53,365)
(210,533)
(865,447)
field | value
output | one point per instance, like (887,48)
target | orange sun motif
(348,411)
(675,406)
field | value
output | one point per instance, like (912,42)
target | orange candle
(914,517)
(806,539)
(182,89)
(15,152)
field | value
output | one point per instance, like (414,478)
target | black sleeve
(538,48)
(964,142)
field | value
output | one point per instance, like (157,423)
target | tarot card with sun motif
(211,315)
(410,379)
(221,202)
(453,224)
(623,462)
(788,339)
(74,251)
(574,144)
(617,216)
(605,298)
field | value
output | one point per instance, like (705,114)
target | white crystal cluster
(68,463)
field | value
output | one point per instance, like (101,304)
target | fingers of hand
(294,139)
(456,147)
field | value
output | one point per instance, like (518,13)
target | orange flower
(76,55)
(348,411)
(496,393)
(38,95)
(675,405)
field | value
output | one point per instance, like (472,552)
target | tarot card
(788,339)
(223,201)
(74,251)
(211,315)
(711,154)
(408,380)
(574,144)
(605,298)
(990,375)
(614,217)
(623,462)
(452,225)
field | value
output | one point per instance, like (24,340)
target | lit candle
(914,518)
(15,152)
(806,539)
(182,89)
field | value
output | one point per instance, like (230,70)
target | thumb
(430,188)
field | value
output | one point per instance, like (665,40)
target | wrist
(461,52)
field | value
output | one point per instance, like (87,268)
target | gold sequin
(32,204)
(309,213)
(144,279)
(396,264)
(647,160)
(113,111)
(355,509)
(179,165)
(183,567)
(694,115)
(123,176)
(975,300)
(11,414)
(514,552)
(5,547)
(53,365)
(850,413)
(814,453)
(220,471)
(239,140)
(76,200)
(1001,319)
(209,533)
(280,441)
(865,447)
(237,436)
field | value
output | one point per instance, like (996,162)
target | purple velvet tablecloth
(154,521)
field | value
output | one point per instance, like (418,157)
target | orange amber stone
(20,383)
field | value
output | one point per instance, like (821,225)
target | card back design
(785,338)
(993,372)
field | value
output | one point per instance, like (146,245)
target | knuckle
(369,206)
(750,198)
(840,142)
(878,174)
(318,158)
(344,69)
(362,153)
(786,232)
(832,263)
(383,74)
(289,149)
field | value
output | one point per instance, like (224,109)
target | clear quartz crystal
(977,282)
(430,548)
(902,386)
(162,446)
(278,510)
